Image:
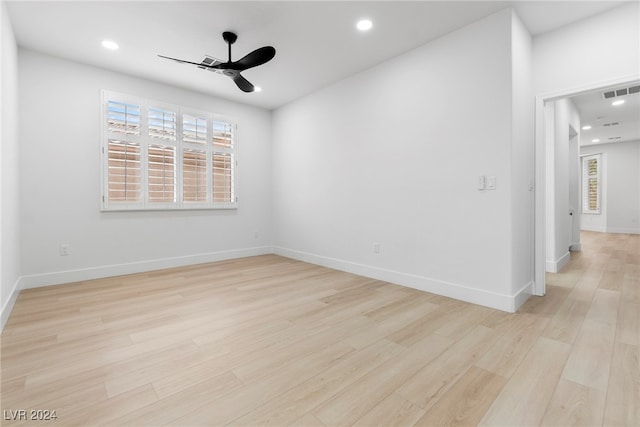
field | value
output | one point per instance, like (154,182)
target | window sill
(164,208)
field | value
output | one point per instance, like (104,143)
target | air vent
(613,138)
(611,124)
(621,92)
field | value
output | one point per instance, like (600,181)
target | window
(161,156)
(591,182)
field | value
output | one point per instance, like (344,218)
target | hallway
(594,305)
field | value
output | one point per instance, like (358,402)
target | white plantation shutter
(223,160)
(124,171)
(194,129)
(162,124)
(591,166)
(123,152)
(162,173)
(194,167)
(223,178)
(123,118)
(159,156)
(161,167)
(223,134)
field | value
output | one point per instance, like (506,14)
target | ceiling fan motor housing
(229,37)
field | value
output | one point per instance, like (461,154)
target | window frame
(585,184)
(145,141)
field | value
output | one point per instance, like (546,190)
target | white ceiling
(316,42)
(608,123)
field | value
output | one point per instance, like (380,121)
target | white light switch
(491,183)
(481,182)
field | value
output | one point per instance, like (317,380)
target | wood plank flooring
(269,341)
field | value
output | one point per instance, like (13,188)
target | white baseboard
(575,247)
(616,230)
(59,277)
(597,228)
(521,296)
(556,266)
(623,230)
(8,306)
(498,301)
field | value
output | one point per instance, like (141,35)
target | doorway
(546,207)
(574,190)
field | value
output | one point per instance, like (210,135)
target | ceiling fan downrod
(230,38)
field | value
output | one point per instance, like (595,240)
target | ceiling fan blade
(243,83)
(182,61)
(255,58)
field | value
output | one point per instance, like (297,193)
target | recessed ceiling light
(257,89)
(618,102)
(595,140)
(111,45)
(587,127)
(364,25)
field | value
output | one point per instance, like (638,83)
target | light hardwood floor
(272,341)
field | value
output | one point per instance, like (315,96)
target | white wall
(9,199)
(392,155)
(60,182)
(603,48)
(522,153)
(620,189)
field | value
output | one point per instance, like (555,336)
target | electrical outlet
(376,248)
(64,249)
(255,234)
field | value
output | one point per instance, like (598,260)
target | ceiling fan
(233,68)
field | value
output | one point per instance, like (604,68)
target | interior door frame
(540,166)
(575,188)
